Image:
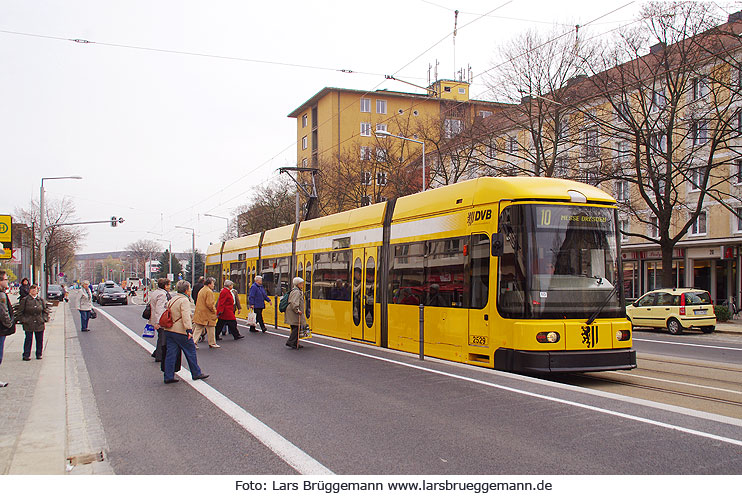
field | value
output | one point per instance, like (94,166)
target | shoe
(26,358)
(201,339)
(253,330)
(174,380)
(38,357)
(218,338)
(84,330)
(196,345)
(300,346)
(290,346)
(264,330)
(3,384)
(215,346)
(239,337)
(202,376)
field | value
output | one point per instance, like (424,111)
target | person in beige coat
(180,335)
(204,319)
(295,312)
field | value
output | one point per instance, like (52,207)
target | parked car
(97,290)
(675,309)
(54,292)
(112,293)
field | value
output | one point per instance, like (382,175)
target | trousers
(39,335)
(175,343)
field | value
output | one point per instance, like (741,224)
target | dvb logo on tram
(474,216)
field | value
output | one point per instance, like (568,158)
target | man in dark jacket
(7,322)
(256,300)
(196,288)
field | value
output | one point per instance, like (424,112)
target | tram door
(363,295)
(480,306)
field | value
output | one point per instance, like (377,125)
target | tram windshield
(558,261)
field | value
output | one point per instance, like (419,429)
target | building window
(561,167)
(365,129)
(738,223)
(380,198)
(699,132)
(653,229)
(381,106)
(304,120)
(365,105)
(623,226)
(658,142)
(451,127)
(304,143)
(591,142)
(658,100)
(381,127)
(366,178)
(381,179)
(365,200)
(739,121)
(304,162)
(512,144)
(446,88)
(622,190)
(699,224)
(588,177)
(462,90)
(484,113)
(738,171)
(380,154)
(695,175)
(700,87)
(623,112)
(365,153)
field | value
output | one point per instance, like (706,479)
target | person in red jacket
(225,311)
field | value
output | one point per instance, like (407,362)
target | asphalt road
(362,410)
(717,347)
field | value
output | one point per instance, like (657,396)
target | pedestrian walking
(180,335)
(294,312)
(157,301)
(225,309)
(33,313)
(7,321)
(84,304)
(24,289)
(196,288)
(256,300)
(205,316)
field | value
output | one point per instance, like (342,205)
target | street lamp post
(221,218)
(42,229)
(384,134)
(193,255)
(170,254)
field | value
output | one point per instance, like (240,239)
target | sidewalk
(732,326)
(48,410)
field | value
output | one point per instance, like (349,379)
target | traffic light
(114,221)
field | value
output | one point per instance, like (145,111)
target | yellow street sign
(5,229)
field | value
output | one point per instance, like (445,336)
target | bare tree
(271,206)
(141,251)
(62,242)
(663,126)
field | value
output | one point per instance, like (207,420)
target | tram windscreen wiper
(605,302)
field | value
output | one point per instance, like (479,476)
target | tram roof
(245,242)
(279,234)
(487,190)
(342,222)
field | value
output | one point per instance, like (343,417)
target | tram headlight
(547,337)
(623,334)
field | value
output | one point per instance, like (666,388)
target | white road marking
(687,344)
(681,383)
(664,425)
(290,453)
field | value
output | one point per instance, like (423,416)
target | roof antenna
(455,24)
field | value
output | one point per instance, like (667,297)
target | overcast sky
(160,137)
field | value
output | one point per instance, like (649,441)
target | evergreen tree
(164,260)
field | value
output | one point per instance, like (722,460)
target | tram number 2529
(481,341)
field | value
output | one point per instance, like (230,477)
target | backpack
(166,319)
(284,304)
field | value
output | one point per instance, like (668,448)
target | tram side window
(283,280)
(512,279)
(213,271)
(331,280)
(237,275)
(480,271)
(268,277)
(444,273)
(407,273)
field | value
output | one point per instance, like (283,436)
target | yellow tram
(517,274)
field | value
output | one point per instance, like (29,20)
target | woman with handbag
(7,322)
(84,304)
(33,312)
(180,334)
(156,302)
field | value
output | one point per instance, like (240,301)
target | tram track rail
(700,385)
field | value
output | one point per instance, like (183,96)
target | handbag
(252,319)
(147,312)
(166,319)
(93,314)
(149,331)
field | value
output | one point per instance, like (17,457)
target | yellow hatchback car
(676,309)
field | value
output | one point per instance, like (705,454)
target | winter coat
(180,309)
(296,305)
(196,289)
(258,296)
(24,290)
(225,305)
(7,319)
(85,300)
(157,301)
(33,313)
(205,308)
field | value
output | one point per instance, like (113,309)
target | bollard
(422,331)
(275,308)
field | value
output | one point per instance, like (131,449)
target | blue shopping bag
(149,331)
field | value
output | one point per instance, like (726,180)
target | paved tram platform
(50,419)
